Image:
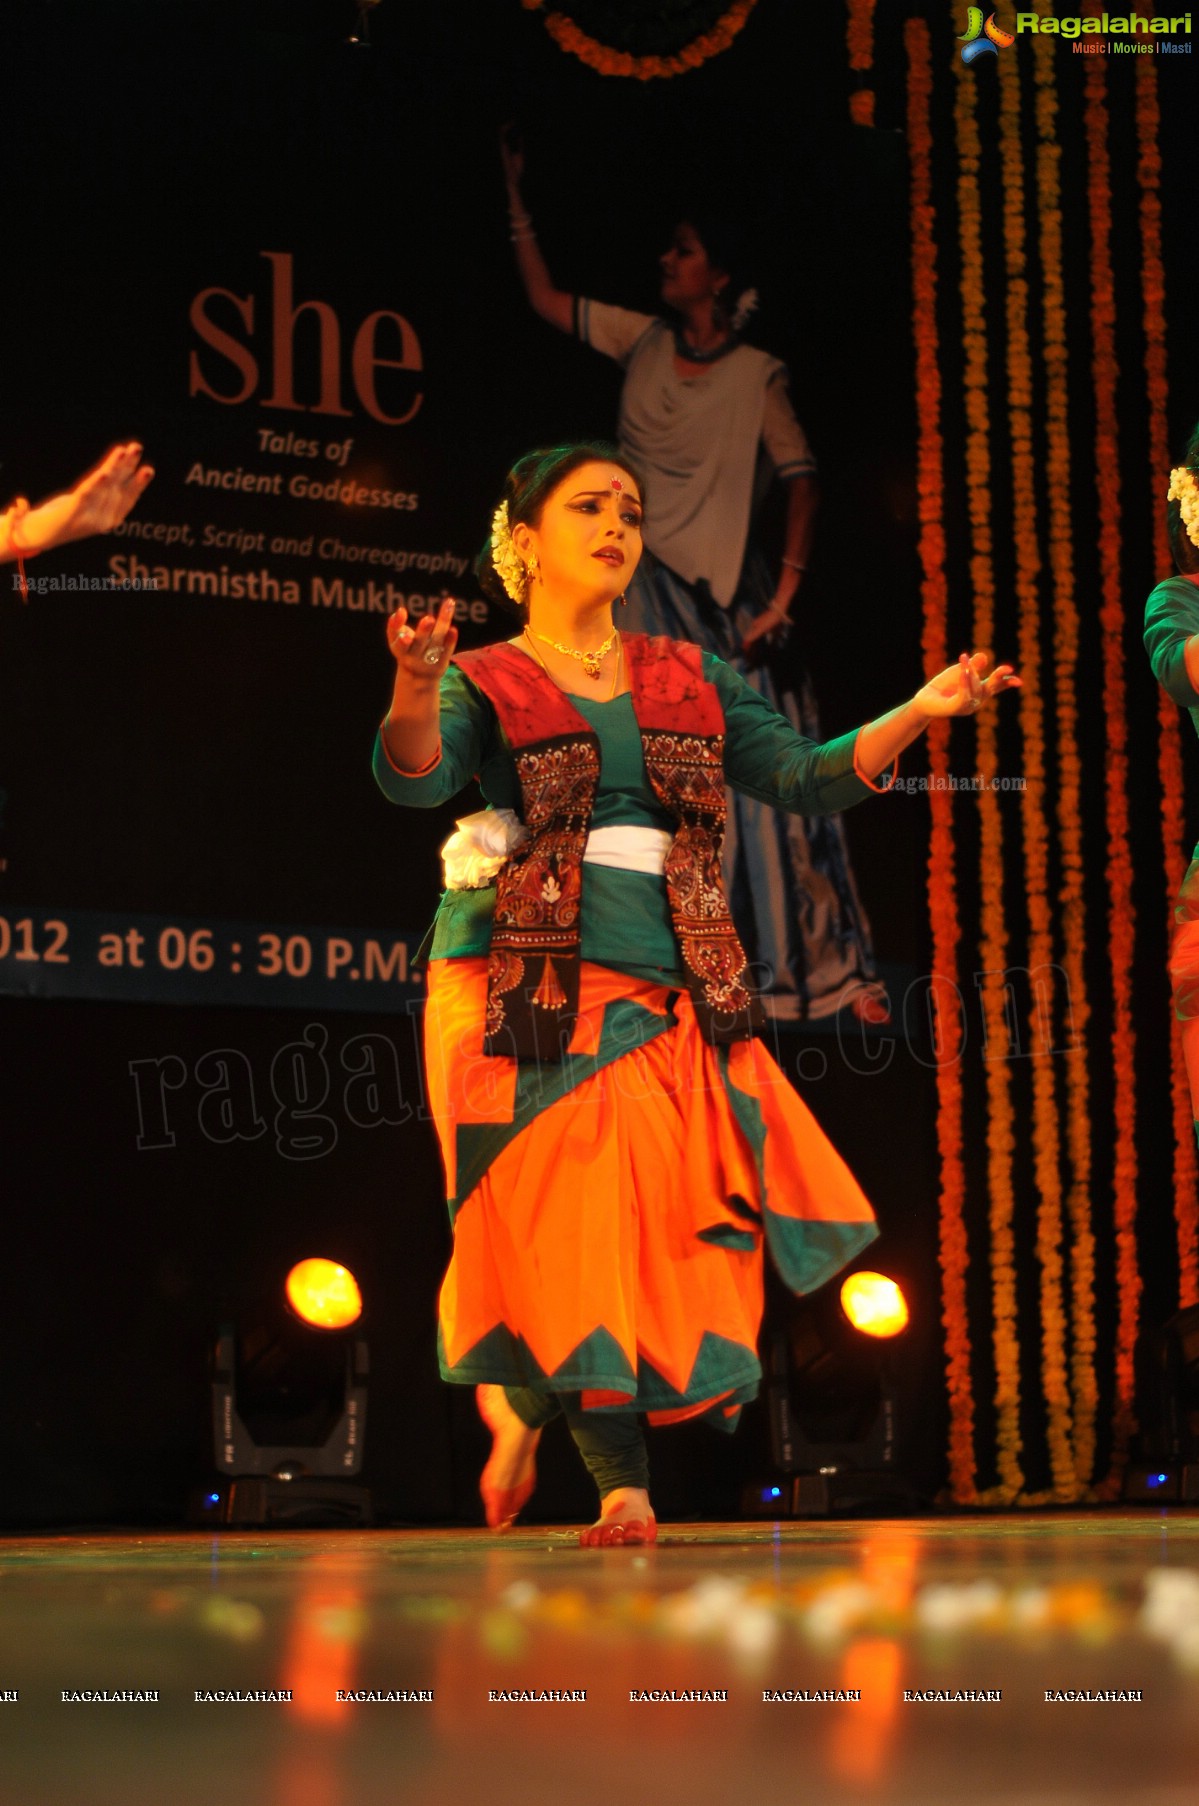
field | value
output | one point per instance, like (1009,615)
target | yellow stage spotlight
(874,1304)
(324,1294)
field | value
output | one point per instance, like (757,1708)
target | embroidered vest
(533,967)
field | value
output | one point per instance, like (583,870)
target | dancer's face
(588,539)
(688,275)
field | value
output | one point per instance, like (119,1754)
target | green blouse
(626,915)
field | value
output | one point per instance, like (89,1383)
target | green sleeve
(1171,617)
(469,732)
(764,756)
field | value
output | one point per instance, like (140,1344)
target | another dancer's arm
(766,758)
(786,444)
(551,302)
(98,502)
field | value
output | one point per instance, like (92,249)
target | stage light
(323,1293)
(1167,1392)
(830,1397)
(874,1304)
(289,1405)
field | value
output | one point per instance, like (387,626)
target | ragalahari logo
(981,39)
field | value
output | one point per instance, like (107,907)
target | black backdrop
(173,755)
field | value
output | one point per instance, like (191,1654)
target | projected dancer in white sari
(708,419)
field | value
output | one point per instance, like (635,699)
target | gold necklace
(616,671)
(590,661)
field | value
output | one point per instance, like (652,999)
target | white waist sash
(630,848)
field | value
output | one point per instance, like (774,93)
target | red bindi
(617,484)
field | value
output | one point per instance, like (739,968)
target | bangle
(793,565)
(520,237)
(879,789)
(519,219)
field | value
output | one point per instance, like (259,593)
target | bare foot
(511,1473)
(626,1517)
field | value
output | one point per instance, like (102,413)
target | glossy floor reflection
(1103,1602)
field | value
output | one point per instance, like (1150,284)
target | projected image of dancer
(617,1144)
(1172,642)
(706,416)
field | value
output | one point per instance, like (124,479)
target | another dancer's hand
(771,626)
(422,652)
(512,155)
(962,689)
(98,502)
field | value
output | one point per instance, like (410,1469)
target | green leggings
(610,1442)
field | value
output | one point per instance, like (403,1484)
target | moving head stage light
(1167,1389)
(831,1404)
(289,1406)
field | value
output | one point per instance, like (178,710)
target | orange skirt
(610,1211)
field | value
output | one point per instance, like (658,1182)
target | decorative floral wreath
(686,24)
(1185,491)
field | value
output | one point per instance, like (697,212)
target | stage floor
(1105,1602)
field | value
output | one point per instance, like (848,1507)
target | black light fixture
(831,1403)
(289,1407)
(1167,1387)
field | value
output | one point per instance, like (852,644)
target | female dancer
(702,413)
(1172,642)
(617,1144)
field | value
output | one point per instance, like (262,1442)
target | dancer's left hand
(963,689)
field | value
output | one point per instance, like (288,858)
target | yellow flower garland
(942,877)
(1169,760)
(1069,812)
(606,61)
(1046,1147)
(993,928)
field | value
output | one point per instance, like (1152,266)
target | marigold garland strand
(1069,810)
(606,61)
(1040,955)
(1169,754)
(993,936)
(1121,914)
(859,36)
(942,875)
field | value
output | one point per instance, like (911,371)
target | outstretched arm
(552,303)
(766,758)
(98,502)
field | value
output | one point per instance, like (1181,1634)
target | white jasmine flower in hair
(509,567)
(747,303)
(1185,491)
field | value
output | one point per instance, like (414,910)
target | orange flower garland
(1169,757)
(993,937)
(1069,813)
(1121,914)
(859,36)
(942,877)
(606,61)
(1046,1147)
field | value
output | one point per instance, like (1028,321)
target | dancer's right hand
(422,652)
